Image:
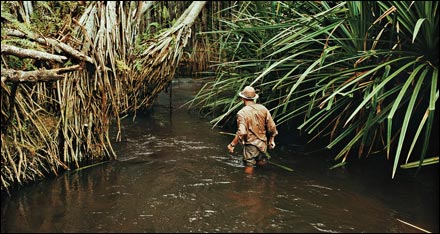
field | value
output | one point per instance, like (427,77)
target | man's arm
(241,133)
(272,130)
(233,143)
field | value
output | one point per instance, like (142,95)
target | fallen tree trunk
(12,75)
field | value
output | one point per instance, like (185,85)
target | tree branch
(12,75)
(59,45)
(28,53)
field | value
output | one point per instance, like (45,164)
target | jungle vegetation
(361,74)
(71,69)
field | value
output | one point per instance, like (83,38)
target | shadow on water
(174,174)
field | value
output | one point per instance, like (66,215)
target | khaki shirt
(254,122)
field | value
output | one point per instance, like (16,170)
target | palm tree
(362,74)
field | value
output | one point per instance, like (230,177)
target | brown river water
(174,174)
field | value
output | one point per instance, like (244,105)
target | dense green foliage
(362,74)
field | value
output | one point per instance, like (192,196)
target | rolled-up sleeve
(242,130)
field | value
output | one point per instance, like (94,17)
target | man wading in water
(254,121)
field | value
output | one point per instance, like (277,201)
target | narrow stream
(174,174)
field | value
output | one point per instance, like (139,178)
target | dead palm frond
(69,119)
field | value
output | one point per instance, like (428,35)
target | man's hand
(272,144)
(231,148)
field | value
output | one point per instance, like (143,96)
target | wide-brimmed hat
(248,93)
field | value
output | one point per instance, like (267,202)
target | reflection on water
(174,174)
